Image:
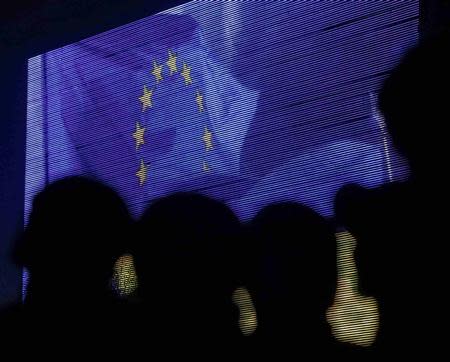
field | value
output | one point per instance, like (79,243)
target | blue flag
(156,114)
(246,113)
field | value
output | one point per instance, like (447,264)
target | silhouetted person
(414,102)
(294,281)
(76,231)
(400,227)
(183,257)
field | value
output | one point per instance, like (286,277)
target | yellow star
(205,166)
(157,71)
(142,173)
(139,135)
(207,138)
(186,74)
(172,63)
(146,98)
(199,99)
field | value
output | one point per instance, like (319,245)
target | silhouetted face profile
(414,102)
(399,226)
(77,229)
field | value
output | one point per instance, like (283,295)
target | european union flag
(151,111)
(262,109)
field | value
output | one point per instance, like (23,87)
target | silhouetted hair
(74,221)
(186,227)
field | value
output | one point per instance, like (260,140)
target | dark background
(28,28)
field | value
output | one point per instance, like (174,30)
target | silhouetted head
(189,238)
(414,102)
(297,249)
(77,228)
(185,270)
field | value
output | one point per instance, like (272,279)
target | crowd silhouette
(191,252)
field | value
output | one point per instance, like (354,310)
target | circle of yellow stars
(147,102)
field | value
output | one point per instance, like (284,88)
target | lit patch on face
(248,321)
(125,279)
(353,318)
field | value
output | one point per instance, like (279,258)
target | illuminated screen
(247,102)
